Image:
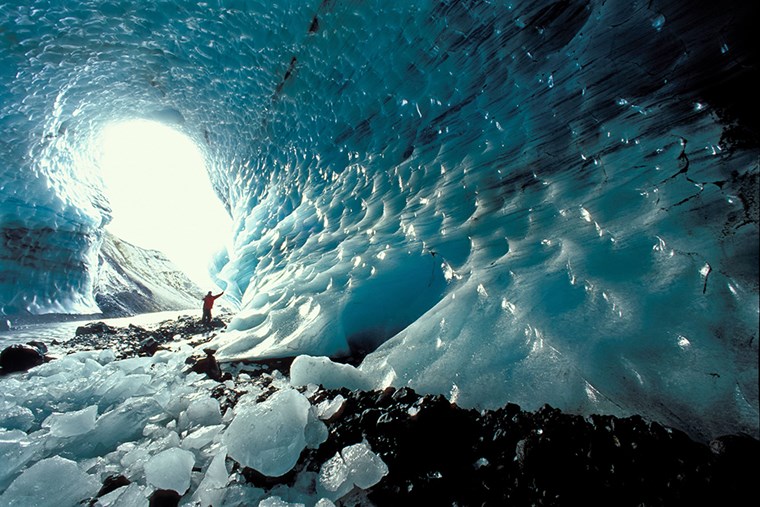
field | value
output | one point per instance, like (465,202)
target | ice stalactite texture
(509,201)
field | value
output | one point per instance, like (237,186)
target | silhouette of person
(208,304)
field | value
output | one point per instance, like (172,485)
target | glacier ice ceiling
(536,202)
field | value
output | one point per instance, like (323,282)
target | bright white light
(161,196)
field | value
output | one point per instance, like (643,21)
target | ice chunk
(216,474)
(328,408)
(136,365)
(132,495)
(201,437)
(355,465)
(122,424)
(320,370)
(211,490)
(13,416)
(106,356)
(53,482)
(15,451)
(334,479)
(276,501)
(73,423)
(170,469)
(315,431)
(201,412)
(269,436)
(365,467)
(134,462)
(311,390)
(110,499)
(324,502)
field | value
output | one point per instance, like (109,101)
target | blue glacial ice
(270,436)
(50,482)
(355,465)
(170,469)
(531,202)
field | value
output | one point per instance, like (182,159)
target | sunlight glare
(161,196)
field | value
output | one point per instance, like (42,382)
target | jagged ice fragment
(269,436)
(170,469)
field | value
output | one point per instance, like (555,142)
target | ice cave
(536,202)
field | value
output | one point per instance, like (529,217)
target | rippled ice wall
(530,202)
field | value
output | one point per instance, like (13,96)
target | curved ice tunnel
(531,202)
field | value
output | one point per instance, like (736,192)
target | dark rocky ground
(440,454)
(444,455)
(138,341)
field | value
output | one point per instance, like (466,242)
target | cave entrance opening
(158,186)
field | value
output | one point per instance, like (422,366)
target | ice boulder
(170,469)
(16,449)
(364,466)
(73,423)
(123,423)
(211,490)
(132,495)
(15,417)
(276,501)
(331,375)
(201,437)
(355,465)
(269,436)
(316,431)
(333,478)
(329,408)
(201,412)
(53,482)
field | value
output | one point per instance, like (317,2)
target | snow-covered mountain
(134,280)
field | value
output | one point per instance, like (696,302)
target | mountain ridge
(132,280)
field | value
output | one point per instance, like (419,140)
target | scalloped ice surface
(506,201)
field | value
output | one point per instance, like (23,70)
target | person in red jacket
(208,304)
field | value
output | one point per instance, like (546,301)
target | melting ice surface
(516,201)
(147,419)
